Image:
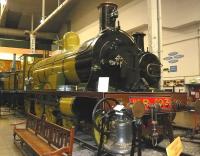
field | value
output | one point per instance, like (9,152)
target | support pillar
(43,11)
(154,27)
(32,43)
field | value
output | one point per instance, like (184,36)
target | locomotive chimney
(139,40)
(107,15)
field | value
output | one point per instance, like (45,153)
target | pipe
(58,9)
(154,26)
(32,22)
(58,3)
(24,33)
(160,43)
(198,33)
(43,11)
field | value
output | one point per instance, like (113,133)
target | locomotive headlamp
(114,125)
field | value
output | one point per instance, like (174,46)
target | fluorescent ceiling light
(7,56)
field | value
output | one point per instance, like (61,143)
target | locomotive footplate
(167,102)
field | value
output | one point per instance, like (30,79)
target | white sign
(103,84)
(118,107)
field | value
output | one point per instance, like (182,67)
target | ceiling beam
(4,10)
(24,33)
(15,43)
(56,11)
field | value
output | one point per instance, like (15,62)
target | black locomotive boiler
(112,53)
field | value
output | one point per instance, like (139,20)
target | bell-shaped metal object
(119,140)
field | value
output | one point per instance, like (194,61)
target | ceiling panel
(20,12)
(12,19)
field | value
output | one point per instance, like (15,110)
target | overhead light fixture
(41,21)
(3,2)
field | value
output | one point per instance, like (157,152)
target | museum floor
(7,147)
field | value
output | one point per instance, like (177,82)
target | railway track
(87,142)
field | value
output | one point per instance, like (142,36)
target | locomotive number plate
(164,102)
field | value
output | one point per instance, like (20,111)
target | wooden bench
(44,138)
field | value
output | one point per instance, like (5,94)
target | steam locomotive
(112,53)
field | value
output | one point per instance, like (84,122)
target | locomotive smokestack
(107,15)
(139,40)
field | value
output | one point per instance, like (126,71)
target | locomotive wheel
(103,107)
(96,133)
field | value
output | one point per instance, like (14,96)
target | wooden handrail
(71,141)
(19,123)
